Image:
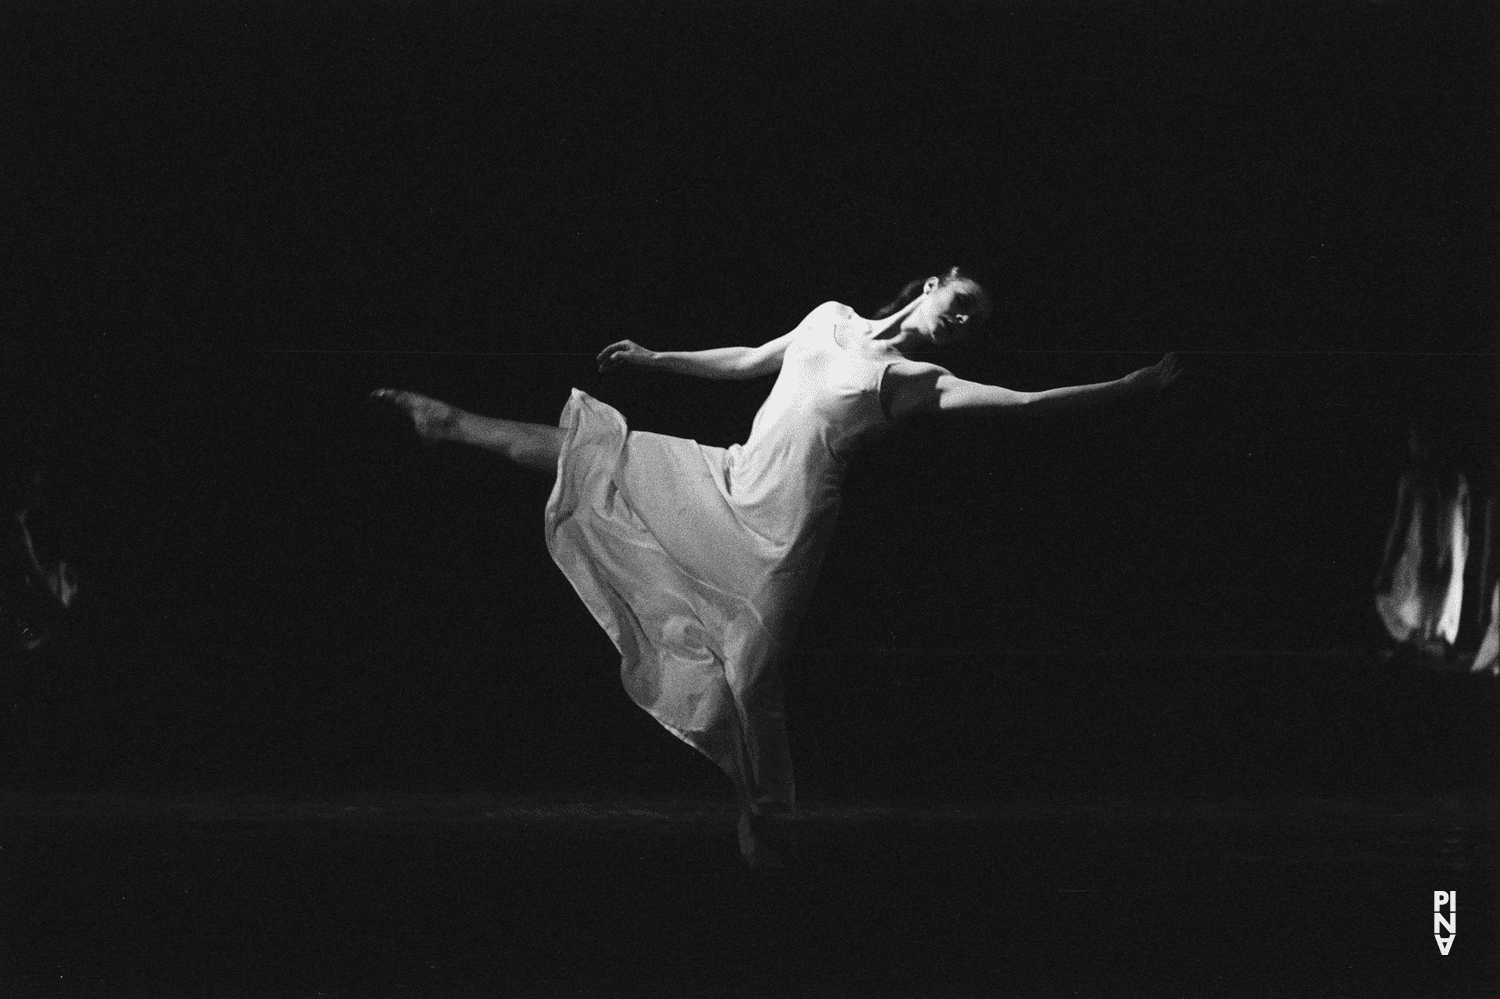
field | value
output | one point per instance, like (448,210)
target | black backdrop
(228,222)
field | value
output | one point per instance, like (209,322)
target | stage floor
(430,895)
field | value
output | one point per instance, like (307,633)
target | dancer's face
(949,313)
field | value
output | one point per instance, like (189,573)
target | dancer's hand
(1159,375)
(623,353)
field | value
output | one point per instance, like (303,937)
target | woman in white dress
(697,560)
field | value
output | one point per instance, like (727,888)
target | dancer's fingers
(615,354)
(1169,369)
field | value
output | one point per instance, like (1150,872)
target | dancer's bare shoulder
(835,312)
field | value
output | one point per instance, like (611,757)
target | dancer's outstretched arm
(913,387)
(717,362)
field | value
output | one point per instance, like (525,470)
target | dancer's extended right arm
(718,362)
(910,388)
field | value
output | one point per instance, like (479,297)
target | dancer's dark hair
(913,288)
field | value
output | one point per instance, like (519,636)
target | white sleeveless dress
(697,560)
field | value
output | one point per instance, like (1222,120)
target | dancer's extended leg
(532,445)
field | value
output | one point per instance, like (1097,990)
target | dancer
(1419,589)
(697,560)
(34,593)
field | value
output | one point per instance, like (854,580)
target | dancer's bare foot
(753,847)
(432,420)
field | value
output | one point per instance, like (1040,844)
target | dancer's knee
(537,447)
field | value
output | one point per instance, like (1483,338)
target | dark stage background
(229,222)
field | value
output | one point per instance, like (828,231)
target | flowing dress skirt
(696,600)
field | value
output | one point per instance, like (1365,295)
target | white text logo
(1444,923)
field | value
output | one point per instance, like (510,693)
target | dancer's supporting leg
(752,832)
(531,445)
